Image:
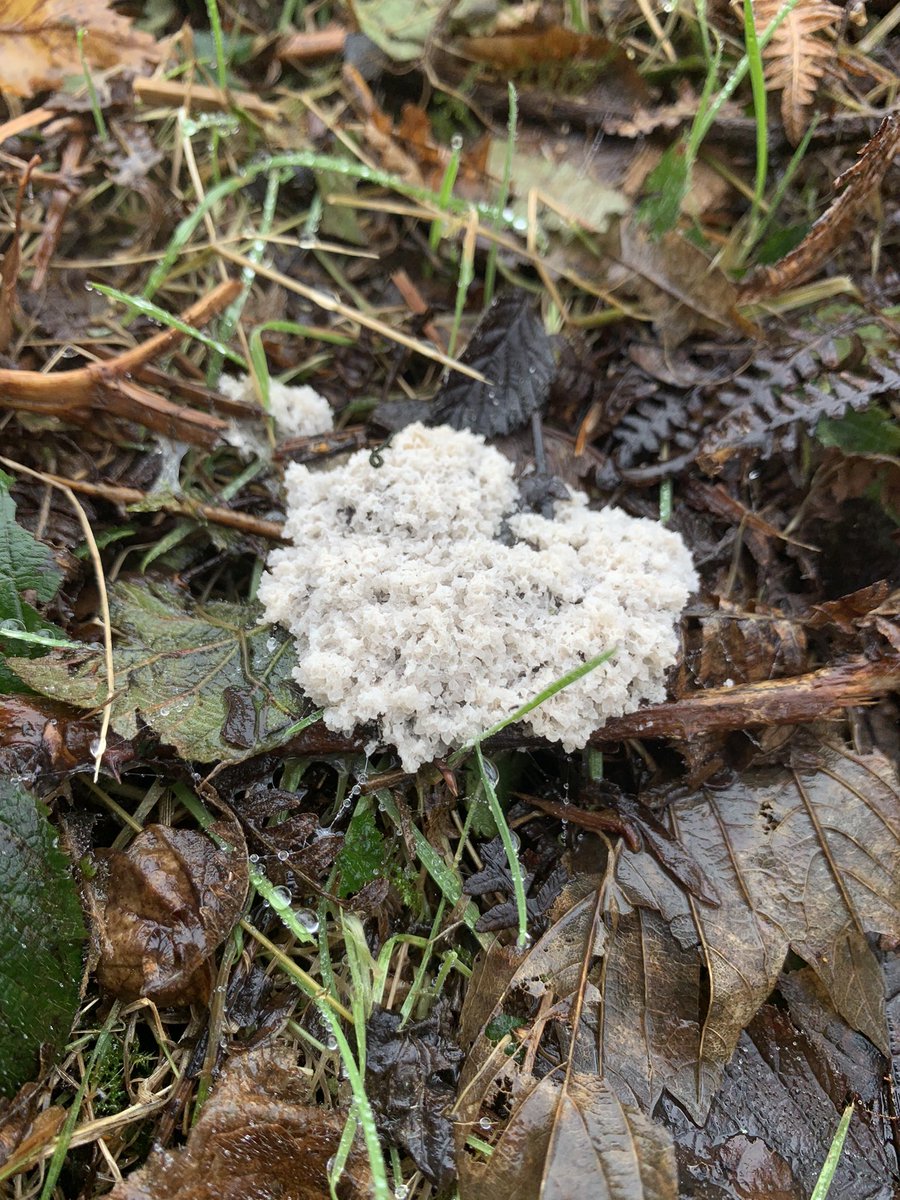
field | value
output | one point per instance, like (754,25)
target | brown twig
(105,386)
(211,513)
(810,697)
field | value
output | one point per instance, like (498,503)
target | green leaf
(26,565)
(666,187)
(208,679)
(874,431)
(41,935)
(362,856)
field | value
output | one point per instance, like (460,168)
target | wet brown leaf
(567,1133)
(806,858)
(257,1138)
(771,1125)
(797,56)
(38,46)
(40,738)
(731,646)
(24,1127)
(574,1138)
(171,899)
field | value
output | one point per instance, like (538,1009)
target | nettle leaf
(27,567)
(41,936)
(185,670)
(511,348)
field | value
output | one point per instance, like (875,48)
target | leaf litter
(315,950)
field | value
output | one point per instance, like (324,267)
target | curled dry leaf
(171,899)
(38,45)
(257,1137)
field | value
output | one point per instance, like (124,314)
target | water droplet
(254,858)
(515,839)
(164,712)
(271,644)
(329,1166)
(94,747)
(308,919)
(456,142)
(331,1042)
(401,1191)
(490,772)
(282,855)
(11,623)
(280,898)
(485,1123)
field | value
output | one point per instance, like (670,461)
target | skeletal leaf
(797,55)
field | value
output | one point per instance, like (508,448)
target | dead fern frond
(798,55)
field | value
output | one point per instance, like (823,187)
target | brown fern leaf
(797,56)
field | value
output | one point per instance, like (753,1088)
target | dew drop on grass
(308,919)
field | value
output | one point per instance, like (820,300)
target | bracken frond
(797,56)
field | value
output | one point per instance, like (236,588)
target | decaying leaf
(258,1136)
(512,350)
(805,857)
(174,665)
(40,739)
(567,1133)
(677,284)
(571,1137)
(859,182)
(41,940)
(797,55)
(171,899)
(38,45)
(24,1126)
(411,1074)
(771,1124)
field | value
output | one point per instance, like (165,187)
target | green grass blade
(826,1175)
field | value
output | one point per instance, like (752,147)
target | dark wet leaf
(743,647)
(175,663)
(806,858)
(171,899)
(258,1137)
(27,569)
(513,351)
(41,938)
(43,740)
(567,1133)
(770,1126)
(411,1078)
(495,877)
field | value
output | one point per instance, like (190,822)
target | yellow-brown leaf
(39,48)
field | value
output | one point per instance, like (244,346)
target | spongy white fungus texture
(410,611)
(297,409)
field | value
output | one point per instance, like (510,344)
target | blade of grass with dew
(446,192)
(232,314)
(487,783)
(38,639)
(325,1004)
(315,162)
(148,309)
(551,689)
(490,270)
(446,880)
(509,846)
(215,25)
(96,110)
(464,279)
(826,1175)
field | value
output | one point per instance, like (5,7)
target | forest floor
(651,255)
